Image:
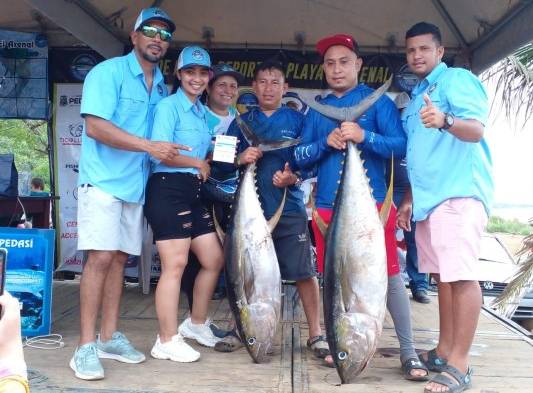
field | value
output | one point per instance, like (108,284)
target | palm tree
(514,90)
(513,77)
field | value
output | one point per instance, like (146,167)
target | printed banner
(304,69)
(23,75)
(30,262)
(68,127)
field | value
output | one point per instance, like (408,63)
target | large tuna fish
(355,277)
(252,272)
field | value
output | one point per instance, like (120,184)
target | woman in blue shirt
(178,219)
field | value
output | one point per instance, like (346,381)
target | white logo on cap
(197,55)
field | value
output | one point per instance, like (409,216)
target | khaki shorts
(448,241)
(106,223)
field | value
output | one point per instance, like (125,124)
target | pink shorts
(448,241)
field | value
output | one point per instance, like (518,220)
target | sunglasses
(151,32)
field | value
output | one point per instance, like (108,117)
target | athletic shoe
(201,332)
(119,348)
(421,296)
(85,363)
(176,350)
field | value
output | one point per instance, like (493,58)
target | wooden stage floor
(501,358)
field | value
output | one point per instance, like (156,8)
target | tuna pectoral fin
(218,228)
(387,203)
(320,223)
(275,218)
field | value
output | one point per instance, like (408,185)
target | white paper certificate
(225,148)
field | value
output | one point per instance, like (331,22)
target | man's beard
(152,58)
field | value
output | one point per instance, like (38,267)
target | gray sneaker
(85,363)
(119,348)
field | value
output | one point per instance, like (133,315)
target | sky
(511,148)
(512,162)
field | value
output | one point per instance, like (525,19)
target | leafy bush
(28,140)
(502,225)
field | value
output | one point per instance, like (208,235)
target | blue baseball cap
(247,101)
(153,13)
(192,56)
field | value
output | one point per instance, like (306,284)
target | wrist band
(14,384)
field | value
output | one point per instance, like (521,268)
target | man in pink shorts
(449,167)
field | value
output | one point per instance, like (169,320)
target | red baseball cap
(338,39)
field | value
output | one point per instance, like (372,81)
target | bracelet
(15,384)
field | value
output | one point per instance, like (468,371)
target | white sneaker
(201,333)
(176,350)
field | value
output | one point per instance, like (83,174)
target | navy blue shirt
(285,123)
(384,137)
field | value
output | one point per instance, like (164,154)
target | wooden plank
(501,359)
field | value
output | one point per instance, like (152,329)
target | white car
(496,268)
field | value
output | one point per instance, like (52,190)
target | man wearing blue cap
(119,96)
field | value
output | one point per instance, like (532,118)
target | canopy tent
(481,31)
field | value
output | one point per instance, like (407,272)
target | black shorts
(168,196)
(293,247)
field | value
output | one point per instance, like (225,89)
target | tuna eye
(342,355)
(251,341)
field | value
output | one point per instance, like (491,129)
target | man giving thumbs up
(449,167)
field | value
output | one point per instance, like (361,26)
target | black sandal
(456,382)
(434,362)
(411,364)
(319,346)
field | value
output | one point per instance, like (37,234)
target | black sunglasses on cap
(151,32)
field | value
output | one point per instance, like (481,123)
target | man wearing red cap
(379,135)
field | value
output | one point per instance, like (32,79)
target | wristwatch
(298,181)
(449,119)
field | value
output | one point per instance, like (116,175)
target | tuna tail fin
(275,218)
(275,145)
(263,145)
(351,113)
(247,132)
(220,232)
(387,203)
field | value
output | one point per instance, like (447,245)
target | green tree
(514,89)
(28,141)
(513,77)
